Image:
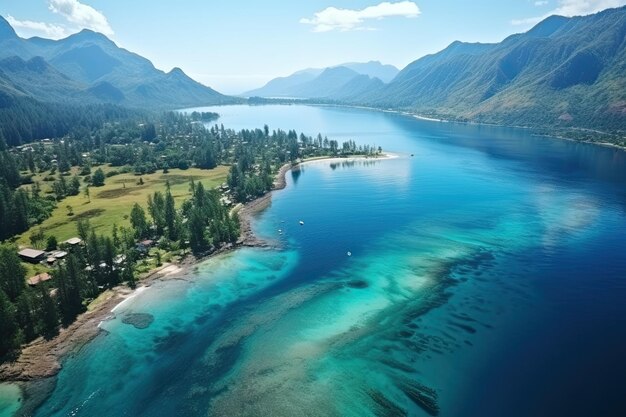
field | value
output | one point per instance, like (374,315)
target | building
(73,241)
(59,254)
(33,256)
(32,281)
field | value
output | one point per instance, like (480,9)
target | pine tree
(70,281)
(25,315)
(12,273)
(9,330)
(170,214)
(49,324)
(139,222)
(156,207)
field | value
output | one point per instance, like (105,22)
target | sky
(237,45)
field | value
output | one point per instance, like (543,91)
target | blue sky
(236,45)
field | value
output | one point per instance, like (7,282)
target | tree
(25,315)
(83,228)
(156,207)
(197,231)
(70,279)
(49,325)
(139,222)
(74,186)
(128,273)
(37,237)
(11,335)
(115,236)
(12,273)
(51,243)
(97,179)
(149,132)
(170,214)
(87,195)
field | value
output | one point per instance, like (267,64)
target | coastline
(41,358)
(440,120)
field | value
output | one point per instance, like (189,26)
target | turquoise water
(10,399)
(486,277)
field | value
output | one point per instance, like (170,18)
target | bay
(486,277)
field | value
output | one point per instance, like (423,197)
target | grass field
(111,203)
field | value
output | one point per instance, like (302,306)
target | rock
(138,320)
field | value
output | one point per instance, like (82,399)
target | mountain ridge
(562,73)
(300,83)
(101,71)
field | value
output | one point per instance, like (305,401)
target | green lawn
(111,203)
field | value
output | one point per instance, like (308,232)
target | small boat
(301,223)
(349,253)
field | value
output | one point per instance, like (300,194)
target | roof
(39,278)
(73,241)
(31,253)
(59,254)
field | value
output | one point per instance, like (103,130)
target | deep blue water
(487,278)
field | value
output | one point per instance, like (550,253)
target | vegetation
(136,191)
(563,77)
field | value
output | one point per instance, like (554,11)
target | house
(73,241)
(32,255)
(147,243)
(32,281)
(59,254)
(144,246)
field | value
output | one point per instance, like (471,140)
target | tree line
(27,312)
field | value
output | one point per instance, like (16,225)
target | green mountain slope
(565,72)
(88,66)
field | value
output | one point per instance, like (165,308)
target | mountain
(564,72)
(283,86)
(374,69)
(89,67)
(36,77)
(326,82)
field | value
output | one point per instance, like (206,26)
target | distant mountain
(564,72)
(327,82)
(283,86)
(89,67)
(374,69)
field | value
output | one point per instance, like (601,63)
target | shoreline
(439,120)
(41,358)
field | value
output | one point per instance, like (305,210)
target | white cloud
(81,15)
(541,3)
(28,28)
(333,18)
(573,8)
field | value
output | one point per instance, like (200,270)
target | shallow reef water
(485,273)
